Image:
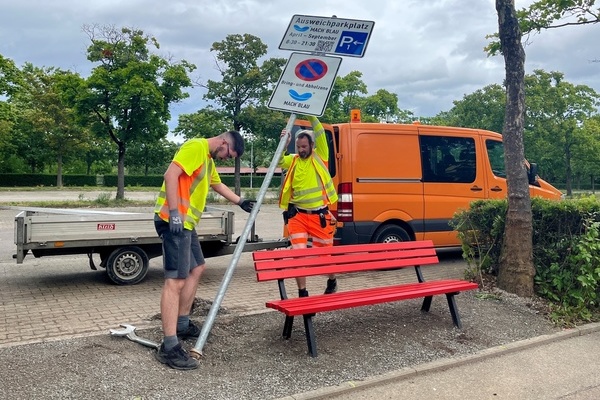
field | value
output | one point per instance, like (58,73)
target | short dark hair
(238,142)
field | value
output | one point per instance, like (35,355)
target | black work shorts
(181,252)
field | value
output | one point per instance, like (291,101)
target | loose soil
(245,357)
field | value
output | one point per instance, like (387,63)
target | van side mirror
(532,174)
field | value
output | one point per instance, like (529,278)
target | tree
(10,83)
(243,81)
(516,260)
(206,122)
(383,106)
(151,157)
(551,14)
(482,109)
(556,110)
(49,118)
(345,95)
(127,95)
(516,269)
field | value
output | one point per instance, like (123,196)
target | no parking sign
(305,84)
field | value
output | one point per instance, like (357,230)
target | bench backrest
(292,263)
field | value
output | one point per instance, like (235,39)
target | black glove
(246,205)
(175,222)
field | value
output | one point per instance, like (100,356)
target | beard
(305,154)
(215,154)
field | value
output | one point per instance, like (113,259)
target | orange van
(399,182)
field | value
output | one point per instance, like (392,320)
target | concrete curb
(443,364)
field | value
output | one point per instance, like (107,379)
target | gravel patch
(246,358)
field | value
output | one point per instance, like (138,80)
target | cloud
(428,53)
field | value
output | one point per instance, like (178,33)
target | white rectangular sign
(305,84)
(344,37)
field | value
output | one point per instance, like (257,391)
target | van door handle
(476,188)
(496,189)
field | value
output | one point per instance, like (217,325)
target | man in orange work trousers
(306,193)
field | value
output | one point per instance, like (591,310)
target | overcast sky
(429,53)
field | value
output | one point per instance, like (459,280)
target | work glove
(175,222)
(246,205)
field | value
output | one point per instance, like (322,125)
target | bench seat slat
(352,257)
(351,248)
(262,276)
(370,296)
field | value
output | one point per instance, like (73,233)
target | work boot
(304,293)
(176,358)
(191,332)
(331,286)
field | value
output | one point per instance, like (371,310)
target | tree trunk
(59,180)
(121,173)
(516,260)
(238,186)
(569,170)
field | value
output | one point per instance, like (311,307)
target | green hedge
(566,250)
(47,180)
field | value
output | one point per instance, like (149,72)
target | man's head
(304,143)
(228,144)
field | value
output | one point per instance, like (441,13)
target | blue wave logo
(299,97)
(301,28)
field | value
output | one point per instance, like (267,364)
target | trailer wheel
(127,265)
(390,233)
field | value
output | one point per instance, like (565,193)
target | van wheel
(127,265)
(390,233)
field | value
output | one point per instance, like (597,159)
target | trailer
(125,241)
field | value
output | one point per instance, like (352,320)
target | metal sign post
(304,86)
(196,352)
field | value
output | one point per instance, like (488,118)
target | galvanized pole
(196,352)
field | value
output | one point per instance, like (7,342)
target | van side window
(495,150)
(448,159)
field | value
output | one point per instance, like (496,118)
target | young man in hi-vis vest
(178,210)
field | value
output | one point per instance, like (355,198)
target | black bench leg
(287,327)
(453,309)
(426,304)
(310,335)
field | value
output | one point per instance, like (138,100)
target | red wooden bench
(291,263)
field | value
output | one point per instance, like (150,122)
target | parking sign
(345,37)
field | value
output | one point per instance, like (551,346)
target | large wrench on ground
(129,332)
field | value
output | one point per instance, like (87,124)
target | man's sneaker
(191,332)
(176,358)
(331,286)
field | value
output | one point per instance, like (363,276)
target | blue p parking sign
(351,43)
